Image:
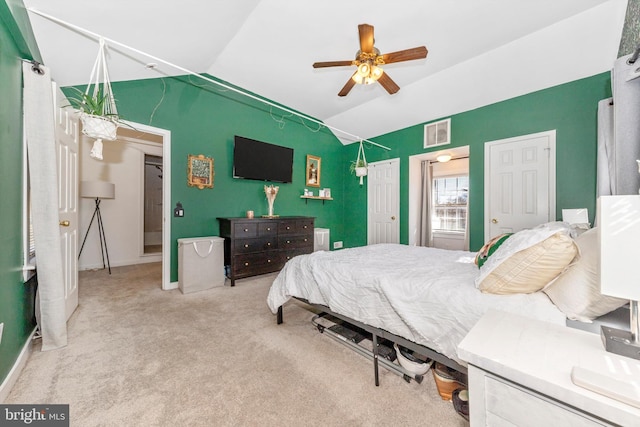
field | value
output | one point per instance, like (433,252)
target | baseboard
(17,368)
(172,285)
(123,263)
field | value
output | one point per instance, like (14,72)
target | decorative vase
(271,192)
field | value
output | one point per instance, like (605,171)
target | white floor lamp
(98,190)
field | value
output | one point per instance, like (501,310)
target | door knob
(495,221)
(65,223)
(393,218)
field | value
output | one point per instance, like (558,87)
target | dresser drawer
(506,403)
(286,256)
(304,226)
(243,246)
(269,228)
(257,263)
(245,229)
(295,242)
(287,227)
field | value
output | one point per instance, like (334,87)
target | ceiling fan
(369,61)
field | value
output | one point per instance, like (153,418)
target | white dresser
(520,375)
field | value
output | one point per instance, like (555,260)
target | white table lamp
(619,238)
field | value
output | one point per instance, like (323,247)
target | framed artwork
(312,171)
(200,171)
(437,133)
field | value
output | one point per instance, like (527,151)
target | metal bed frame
(377,334)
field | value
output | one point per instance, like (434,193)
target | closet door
(519,183)
(383,194)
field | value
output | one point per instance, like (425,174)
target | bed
(432,297)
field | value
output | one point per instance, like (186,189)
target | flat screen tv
(261,161)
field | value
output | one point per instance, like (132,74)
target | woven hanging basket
(99,127)
(361,171)
(101,124)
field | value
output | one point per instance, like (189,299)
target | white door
(383,195)
(67,143)
(519,183)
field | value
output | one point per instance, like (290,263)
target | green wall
(204,120)
(16,299)
(570,109)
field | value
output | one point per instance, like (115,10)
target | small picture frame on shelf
(327,192)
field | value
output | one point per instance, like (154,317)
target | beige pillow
(577,291)
(531,269)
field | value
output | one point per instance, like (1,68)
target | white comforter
(423,294)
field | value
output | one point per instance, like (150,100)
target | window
(450,195)
(437,133)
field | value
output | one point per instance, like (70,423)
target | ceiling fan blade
(388,84)
(332,64)
(347,87)
(405,55)
(366,38)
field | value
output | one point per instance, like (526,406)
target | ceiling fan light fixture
(376,72)
(367,74)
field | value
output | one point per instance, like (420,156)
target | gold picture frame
(312,171)
(200,171)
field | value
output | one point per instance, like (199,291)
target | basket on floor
(448,380)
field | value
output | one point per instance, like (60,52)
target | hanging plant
(359,166)
(97,106)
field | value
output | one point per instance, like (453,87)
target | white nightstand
(520,374)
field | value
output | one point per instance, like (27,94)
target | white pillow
(576,292)
(520,241)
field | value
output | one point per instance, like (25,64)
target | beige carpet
(140,356)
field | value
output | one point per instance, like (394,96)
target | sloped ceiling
(480,51)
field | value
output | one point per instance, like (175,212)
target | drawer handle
(268,260)
(305,226)
(288,241)
(246,245)
(268,228)
(288,257)
(246,264)
(288,228)
(246,230)
(268,243)
(305,239)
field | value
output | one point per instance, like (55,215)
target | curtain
(43,176)
(466,228)
(626,127)
(425,237)
(605,157)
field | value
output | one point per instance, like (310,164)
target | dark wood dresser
(263,245)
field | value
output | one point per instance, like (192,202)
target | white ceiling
(480,51)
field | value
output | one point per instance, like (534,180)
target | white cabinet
(520,375)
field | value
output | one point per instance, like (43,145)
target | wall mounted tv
(261,161)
